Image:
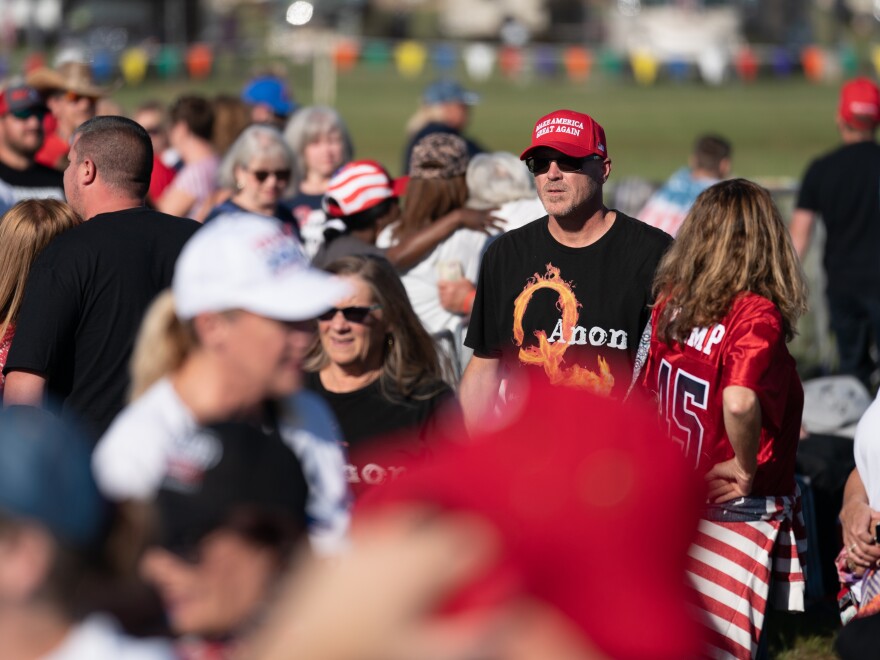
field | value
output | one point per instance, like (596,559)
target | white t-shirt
(519,212)
(99,638)
(464,247)
(866,448)
(130,459)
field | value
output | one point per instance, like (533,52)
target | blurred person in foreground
(227,343)
(729,294)
(191,132)
(57,548)
(321,144)
(88,289)
(258,168)
(568,293)
(445,108)
(24,231)
(378,369)
(21,136)
(503,549)
(709,162)
(841,187)
(230,512)
(436,189)
(71,96)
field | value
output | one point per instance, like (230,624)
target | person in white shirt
(226,343)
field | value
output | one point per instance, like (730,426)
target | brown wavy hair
(732,241)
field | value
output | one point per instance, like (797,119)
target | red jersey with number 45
(746,348)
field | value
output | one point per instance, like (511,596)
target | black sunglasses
(353,314)
(24,115)
(262,175)
(538,165)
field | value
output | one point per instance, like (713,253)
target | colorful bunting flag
(644,67)
(578,62)
(479,60)
(134,63)
(410,58)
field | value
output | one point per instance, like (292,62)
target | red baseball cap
(595,509)
(860,103)
(573,133)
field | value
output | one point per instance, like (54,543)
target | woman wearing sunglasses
(377,367)
(257,168)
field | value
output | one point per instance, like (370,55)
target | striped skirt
(742,549)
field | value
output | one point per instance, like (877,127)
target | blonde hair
(25,230)
(732,241)
(162,345)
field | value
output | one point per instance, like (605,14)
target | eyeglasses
(539,165)
(262,175)
(73,97)
(353,314)
(24,115)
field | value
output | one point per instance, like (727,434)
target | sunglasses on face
(73,97)
(262,175)
(353,314)
(24,115)
(539,165)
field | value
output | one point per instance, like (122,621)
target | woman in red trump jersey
(729,293)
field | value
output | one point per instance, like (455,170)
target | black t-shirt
(83,303)
(35,182)
(366,414)
(844,188)
(576,313)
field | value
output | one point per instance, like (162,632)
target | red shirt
(746,348)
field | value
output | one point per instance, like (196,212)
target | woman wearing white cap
(227,343)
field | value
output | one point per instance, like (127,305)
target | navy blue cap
(270,91)
(46,475)
(449,91)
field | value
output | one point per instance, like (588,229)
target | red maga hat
(595,508)
(860,103)
(573,133)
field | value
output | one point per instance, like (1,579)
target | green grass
(776,126)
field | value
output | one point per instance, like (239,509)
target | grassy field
(776,126)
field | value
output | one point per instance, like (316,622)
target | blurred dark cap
(46,475)
(223,469)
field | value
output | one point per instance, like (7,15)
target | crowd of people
(263,400)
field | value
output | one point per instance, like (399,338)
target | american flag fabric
(744,549)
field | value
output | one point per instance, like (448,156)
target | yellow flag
(410,58)
(644,66)
(133,64)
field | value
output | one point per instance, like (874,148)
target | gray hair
(496,178)
(305,126)
(255,140)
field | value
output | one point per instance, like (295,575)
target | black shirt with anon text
(575,313)
(84,299)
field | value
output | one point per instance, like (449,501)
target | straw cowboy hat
(73,77)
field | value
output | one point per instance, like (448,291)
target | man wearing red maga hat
(842,187)
(569,292)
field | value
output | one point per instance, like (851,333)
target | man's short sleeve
(47,320)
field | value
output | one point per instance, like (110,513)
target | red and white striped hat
(358,186)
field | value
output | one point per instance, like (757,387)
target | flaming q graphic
(550,355)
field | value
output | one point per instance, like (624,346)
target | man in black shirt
(21,136)
(567,294)
(88,289)
(843,187)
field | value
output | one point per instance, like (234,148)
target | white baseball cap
(245,261)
